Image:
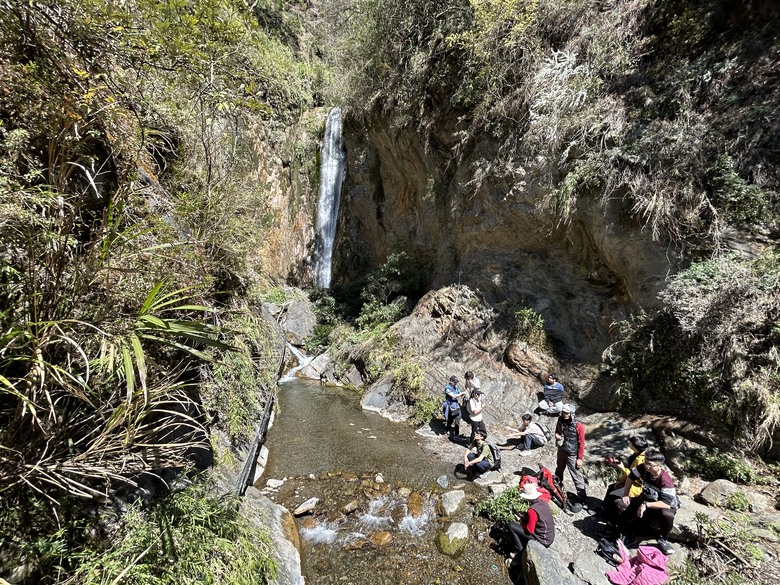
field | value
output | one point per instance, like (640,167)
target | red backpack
(534,480)
(547,480)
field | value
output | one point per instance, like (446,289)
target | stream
(377,483)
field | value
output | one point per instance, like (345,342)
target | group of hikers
(641,503)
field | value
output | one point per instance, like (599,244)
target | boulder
(280,526)
(350,507)
(718,492)
(591,568)
(685,526)
(544,566)
(298,321)
(382,538)
(320,368)
(379,398)
(451,501)
(453,541)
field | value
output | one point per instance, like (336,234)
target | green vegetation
(529,327)
(546,79)
(504,508)
(726,552)
(737,502)
(130,233)
(712,465)
(384,293)
(188,537)
(717,341)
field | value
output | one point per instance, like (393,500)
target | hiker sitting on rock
(637,445)
(656,505)
(478,460)
(536,523)
(553,396)
(530,433)
(451,407)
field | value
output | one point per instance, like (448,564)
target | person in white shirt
(475,406)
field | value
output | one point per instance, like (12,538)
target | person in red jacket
(570,439)
(536,523)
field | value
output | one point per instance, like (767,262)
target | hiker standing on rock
(535,524)
(570,439)
(474,407)
(451,407)
(472,382)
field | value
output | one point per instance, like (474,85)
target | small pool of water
(325,446)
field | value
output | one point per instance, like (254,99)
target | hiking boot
(665,546)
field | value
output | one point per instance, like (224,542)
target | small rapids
(378,486)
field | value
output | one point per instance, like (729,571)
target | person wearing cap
(553,396)
(530,433)
(570,438)
(451,407)
(474,407)
(536,523)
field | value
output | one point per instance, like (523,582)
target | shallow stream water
(325,446)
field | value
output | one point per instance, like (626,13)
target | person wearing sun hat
(536,523)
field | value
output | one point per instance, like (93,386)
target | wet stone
(404,492)
(350,507)
(416,505)
(307,506)
(382,538)
(453,541)
(309,523)
(357,544)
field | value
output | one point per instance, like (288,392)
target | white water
(303,361)
(333,158)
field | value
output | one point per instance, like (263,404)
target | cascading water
(333,158)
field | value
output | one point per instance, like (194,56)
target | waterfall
(333,159)
(303,361)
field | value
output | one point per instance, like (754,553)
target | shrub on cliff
(714,352)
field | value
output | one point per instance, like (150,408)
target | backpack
(545,430)
(548,481)
(545,495)
(496,455)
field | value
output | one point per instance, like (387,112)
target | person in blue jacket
(451,406)
(553,396)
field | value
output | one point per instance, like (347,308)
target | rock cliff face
(492,236)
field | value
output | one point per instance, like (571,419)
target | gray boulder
(543,566)
(285,543)
(453,541)
(298,321)
(451,501)
(686,528)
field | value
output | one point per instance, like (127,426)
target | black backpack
(496,455)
